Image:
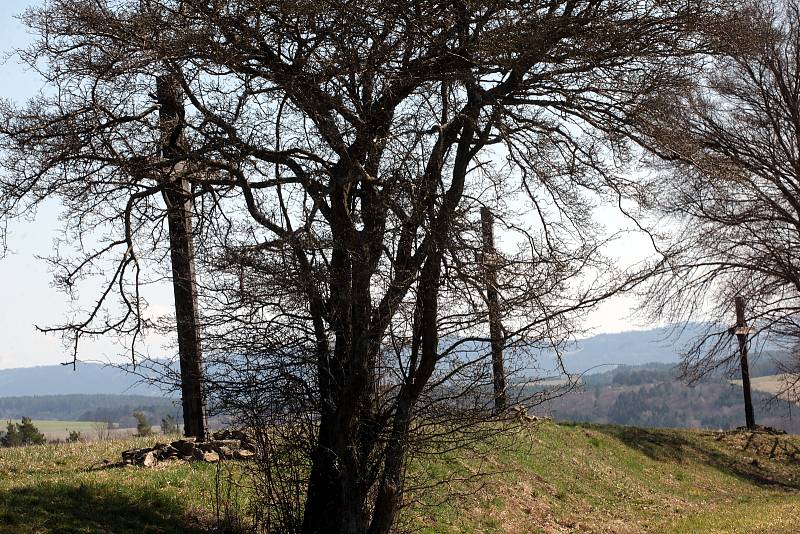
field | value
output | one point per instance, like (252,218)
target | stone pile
(520,412)
(224,445)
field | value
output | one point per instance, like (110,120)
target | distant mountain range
(594,354)
(636,347)
(87,378)
(602,352)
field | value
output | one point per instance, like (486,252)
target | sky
(27,298)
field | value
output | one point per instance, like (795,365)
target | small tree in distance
(143,427)
(11,437)
(22,433)
(169,425)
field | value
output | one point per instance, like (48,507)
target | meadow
(546,478)
(59,430)
(774,385)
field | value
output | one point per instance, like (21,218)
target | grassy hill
(547,478)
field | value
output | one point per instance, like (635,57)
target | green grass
(547,478)
(57,488)
(598,478)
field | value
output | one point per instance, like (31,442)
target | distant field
(545,382)
(47,427)
(61,429)
(774,384)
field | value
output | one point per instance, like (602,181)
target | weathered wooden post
(493,304)
(178,198)
(742,331)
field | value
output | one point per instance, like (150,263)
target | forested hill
(626,348)
(596,354)
(652,396)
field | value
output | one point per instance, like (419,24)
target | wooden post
(177,196)
(492,300)
(741,333)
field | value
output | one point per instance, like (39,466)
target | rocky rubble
(520,412)
(223,445)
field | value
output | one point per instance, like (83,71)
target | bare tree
(346,150)
(363,284)
(729,189)
(103,430)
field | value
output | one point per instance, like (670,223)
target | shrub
(169,425)
(143,427)
(102,430)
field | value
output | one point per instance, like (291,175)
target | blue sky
(26,295)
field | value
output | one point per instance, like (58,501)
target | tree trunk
(337,489)
(329,507)
(177,196)
(390,491)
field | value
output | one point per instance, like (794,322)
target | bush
(143,427)
(103,430)
(74,436)
(22,433)
(169,425)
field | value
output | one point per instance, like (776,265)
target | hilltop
(548,478)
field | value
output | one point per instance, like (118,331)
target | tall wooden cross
(742,331)
(493,303)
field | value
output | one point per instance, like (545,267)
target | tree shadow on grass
(668,446)
(91,508)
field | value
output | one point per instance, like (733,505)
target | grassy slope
(555,478)
(54,488)
(602,478)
